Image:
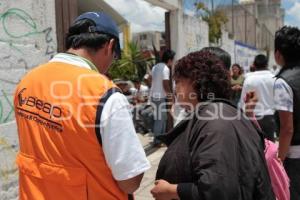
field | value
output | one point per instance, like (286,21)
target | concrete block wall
(8,171)
(27,38)
(228,45)
(195,34)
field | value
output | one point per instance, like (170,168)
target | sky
(292,12)
(143,16)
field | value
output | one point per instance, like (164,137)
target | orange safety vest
(60,156)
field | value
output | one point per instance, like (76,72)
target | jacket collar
(181,127)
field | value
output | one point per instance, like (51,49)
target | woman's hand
(236,87)
(164,190)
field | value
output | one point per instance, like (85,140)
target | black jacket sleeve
(214,163)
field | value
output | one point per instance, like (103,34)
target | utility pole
(232,15)
(246,25)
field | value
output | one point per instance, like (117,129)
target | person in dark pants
(262,82)
(287,103)
(213,154)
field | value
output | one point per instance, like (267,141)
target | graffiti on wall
(5,117)
(29,25)
(27,38)
(18,28)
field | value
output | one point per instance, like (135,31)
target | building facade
(254,22)
(146,40)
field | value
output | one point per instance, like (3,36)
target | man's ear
(108,47)
(111,45)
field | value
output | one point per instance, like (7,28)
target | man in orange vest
(77,139)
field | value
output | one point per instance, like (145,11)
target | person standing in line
(226,61)
(77,139)
(287,103)
(140,92)
(140,95)
(262,82)
(215,153)
(161,93)
(237,80)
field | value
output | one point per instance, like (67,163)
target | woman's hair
(238,66)
(81,36)
(209,78)
(220,53)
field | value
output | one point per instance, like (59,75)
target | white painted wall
(240,54)
(195,34)
(167,4)
(27,38)
(176,24)
(228,45)
(188,33)
(272,59)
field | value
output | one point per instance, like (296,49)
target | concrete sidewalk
(145,139)
(148,181)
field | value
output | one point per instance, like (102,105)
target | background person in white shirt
(262,82)
(140,94)
(161,93)
(275,69)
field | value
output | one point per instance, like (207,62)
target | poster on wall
(244,55)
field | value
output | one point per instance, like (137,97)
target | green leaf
(132,65)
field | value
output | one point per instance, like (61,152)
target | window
(143,37)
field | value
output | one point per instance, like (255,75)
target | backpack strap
(100,108)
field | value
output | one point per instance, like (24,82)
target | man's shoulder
(160,65)
(155,67)
(265,75)
(144,88)
(280,82)
(269,74)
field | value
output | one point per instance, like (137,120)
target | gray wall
(27,38)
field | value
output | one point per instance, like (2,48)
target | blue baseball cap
(103,24)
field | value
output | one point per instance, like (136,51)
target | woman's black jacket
(216,154)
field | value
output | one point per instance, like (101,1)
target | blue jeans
(160,118)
